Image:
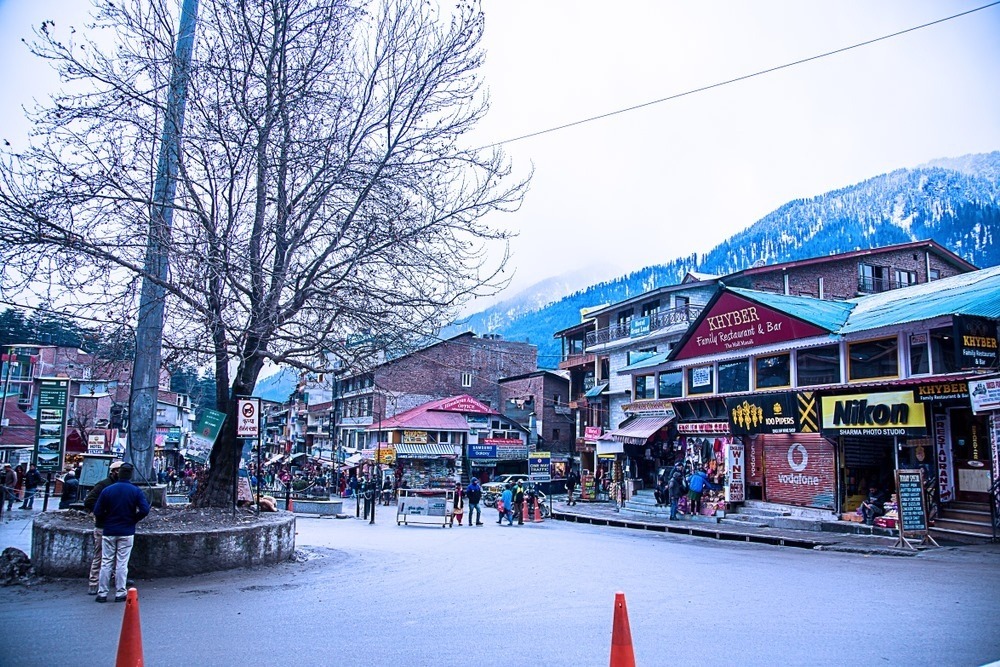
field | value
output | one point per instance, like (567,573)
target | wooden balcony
(577,360)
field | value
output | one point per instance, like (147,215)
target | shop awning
(609,447)
(352,461)
(597,390)
(411,450)
(637,431)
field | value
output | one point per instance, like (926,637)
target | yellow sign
(386,453)
(884,413)
(416,437)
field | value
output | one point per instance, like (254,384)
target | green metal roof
(975,293)
(596,390)
(654,360)
(829,315)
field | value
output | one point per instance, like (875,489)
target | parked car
(497,484)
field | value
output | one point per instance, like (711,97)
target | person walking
(32,480)
(458,506)
(9,486)
(119,507)
(518,494)
(89,502)
(507,498)
(572,481)
(675,489)
(70,490)
(474,494)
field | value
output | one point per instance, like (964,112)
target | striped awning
(413,450)
(637,431)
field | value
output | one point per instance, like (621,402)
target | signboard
(539,467)
(976,343)
(588,487)
(702,427)
(651,408)
(248,418)
(95,443)
(386,453)
(94,469)
(50,430)
(208,427)
(482,451)
(638,326)
(790,412)
(984,395)
(593,432)
(888,413)
(736,488)
(465,404)
(734,322)
(415,437)
(912,506)
(942,391)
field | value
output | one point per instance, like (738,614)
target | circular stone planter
(61,547)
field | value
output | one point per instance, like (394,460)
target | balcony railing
(660,320)
(573,360)
(868,285)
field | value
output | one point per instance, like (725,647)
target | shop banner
(415,437)
(888,413)
(942,391)
(465,404)
(976,343)
(539,467)
(789,412)
(705,428)
(943,458)
(735,322)
(50,431)
(593,432)
(984,395)
(482,451)
(95,443)
(736,488)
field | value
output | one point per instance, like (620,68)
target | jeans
(673,506)
(115,552)
(29,499)
(474,509)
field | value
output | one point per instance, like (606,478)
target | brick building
(539,401)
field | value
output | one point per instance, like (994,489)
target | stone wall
(63,549)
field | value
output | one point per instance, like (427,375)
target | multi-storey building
(539,402)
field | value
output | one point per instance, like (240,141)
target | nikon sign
(882,414)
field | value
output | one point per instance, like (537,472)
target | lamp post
(378,473)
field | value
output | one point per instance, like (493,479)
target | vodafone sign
(248,418)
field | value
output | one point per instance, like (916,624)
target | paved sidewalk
(602,513)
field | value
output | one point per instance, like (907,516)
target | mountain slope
(954,201)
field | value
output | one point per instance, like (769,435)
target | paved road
(532,595)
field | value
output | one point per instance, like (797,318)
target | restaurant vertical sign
(50,432)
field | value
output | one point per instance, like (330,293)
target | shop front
(711,446)
(648,441)
(425,466)
(491,457)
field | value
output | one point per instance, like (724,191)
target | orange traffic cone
(524,511)
(130,640)
(621,636)
(538,512)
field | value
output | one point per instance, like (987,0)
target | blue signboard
(639,326)
(482,451)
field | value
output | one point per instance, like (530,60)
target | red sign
(703,427)
(735,322)
(465,404)
(502,441)
(593,432)
(800,470)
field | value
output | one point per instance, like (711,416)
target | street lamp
(378,473)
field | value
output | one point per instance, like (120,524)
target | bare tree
(324,188)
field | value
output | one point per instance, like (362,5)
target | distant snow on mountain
(954,201)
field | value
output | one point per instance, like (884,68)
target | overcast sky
(676,178)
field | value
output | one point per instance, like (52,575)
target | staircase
(964,522)
(759,514)
(643,501)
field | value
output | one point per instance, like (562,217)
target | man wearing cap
(89,502)
(120,507)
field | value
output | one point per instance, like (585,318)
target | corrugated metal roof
(829,315)
(975,293)
(654,360)
(597,390)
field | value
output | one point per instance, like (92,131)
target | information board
(539,467)
(248,418)
(912,506)
(50,433)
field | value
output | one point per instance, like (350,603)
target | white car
(497,484)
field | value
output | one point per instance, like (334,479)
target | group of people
(511,502)
(675,483)
(20,485)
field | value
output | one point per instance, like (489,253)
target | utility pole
(149,329)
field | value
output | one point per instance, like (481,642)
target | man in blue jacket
(120,507)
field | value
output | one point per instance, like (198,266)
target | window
(555,434)
(734,376)
(934,274)
(920,354)
(466,379)
(701,380)
(818,365)
(774,371)
(495,425)
(644,387)
(943,351)
(670,384)
(624,316)
(556,400)
(871,278)
(873,359)
(650,308)
(905,278)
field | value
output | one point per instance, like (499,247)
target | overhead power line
(744,77)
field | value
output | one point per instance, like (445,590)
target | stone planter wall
(60,549)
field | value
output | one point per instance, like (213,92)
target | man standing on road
(89,502)
(519,503)
(572,479)
(120,506)
(475,494)
(675,489)
(32,480)
(9,486)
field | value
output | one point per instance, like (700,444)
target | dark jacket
(676,485)
(572,480)
(32,480)
(120,506)
(92,497)
(70,492)
(474,493)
